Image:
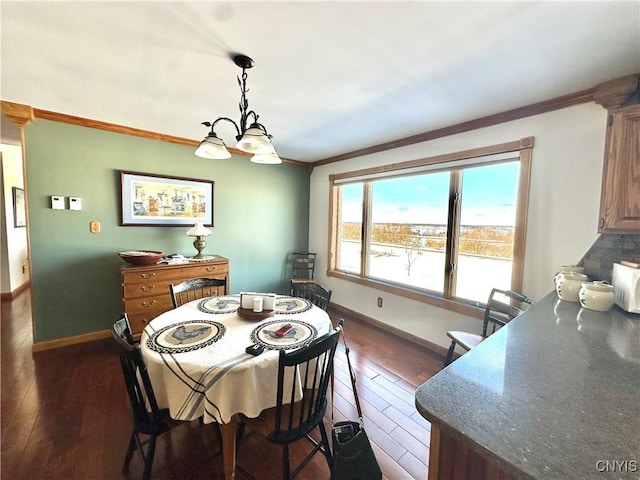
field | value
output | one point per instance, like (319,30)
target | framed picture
(19,212)
(149,199)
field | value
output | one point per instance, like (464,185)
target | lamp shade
(212,147)
(266,158)
(199,230)
(254,140)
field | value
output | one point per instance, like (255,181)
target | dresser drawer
(172,273)
(157,304)
(210,271)
(148,289)
(138,321)
(159,274)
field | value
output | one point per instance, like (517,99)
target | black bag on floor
(353,457)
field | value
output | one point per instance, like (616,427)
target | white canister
(596,296)
(567,269)
(257,304)
(568,285)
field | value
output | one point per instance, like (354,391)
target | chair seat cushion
(465,339)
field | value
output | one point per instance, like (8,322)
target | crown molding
(19,114)
(37,113)
(583,96)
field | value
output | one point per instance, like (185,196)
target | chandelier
(252,139)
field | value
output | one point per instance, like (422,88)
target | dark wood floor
(64,413)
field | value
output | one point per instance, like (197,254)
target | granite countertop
(553,395)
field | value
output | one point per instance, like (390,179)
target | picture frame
(19,209)
(147,199)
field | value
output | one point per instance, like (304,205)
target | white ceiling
(330,77)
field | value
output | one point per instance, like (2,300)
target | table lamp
(199,231)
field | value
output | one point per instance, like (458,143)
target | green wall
(261,214)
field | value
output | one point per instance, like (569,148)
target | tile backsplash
(608,249)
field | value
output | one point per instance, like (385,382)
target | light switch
(75,203)
(57,202)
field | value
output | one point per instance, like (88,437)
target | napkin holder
(246,305)
(268,300)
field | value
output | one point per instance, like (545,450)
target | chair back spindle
(301,403)
(501,307)
(317,294)
(196,288)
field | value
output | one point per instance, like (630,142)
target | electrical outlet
(94,226)
(380,302)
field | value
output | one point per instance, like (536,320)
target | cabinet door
(620,200)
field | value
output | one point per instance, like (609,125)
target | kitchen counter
(555,394)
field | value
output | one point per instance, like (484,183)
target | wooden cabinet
(451,458)
(620,199)
(146,293)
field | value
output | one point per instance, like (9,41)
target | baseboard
(9,296)
(339,310)
(67,341)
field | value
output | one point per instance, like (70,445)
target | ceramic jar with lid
(567,269)
(597,296)
(568,285)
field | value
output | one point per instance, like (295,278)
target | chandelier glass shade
(253,138)
(212,147)
(266,158)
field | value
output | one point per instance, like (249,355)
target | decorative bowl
(141,257)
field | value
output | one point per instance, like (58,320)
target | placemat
(300,333)
(288,305)
(216,305)
(185,336)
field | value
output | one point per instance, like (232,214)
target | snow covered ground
(476,275)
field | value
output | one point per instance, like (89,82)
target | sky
(488,198)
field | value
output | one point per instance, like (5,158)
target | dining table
(197,360)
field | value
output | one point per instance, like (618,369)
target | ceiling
(329,78)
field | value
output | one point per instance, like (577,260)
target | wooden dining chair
(147,418)
(303,265)
(149,421)
(196,288)
(312,291)
(292,420)
(502,306)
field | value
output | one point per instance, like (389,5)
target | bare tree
(400,234)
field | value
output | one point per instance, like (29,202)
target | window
(445,229)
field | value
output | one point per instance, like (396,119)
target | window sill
(465,307)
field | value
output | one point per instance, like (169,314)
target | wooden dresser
(146,293)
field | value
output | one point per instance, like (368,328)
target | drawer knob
(148,304)
(144,288)
(211,269)
(148,275)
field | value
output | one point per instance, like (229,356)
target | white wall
(14,240)
(562,220)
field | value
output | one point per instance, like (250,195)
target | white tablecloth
(218,380)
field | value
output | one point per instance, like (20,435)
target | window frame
(522,148)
